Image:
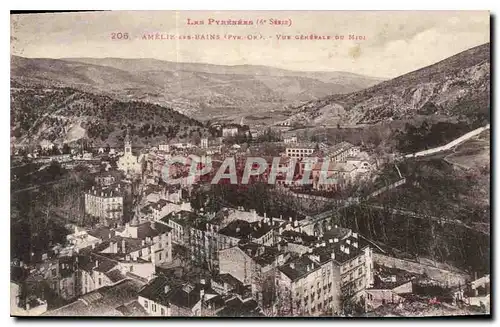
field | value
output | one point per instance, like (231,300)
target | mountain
(199,90)
(458,86)
(65,115)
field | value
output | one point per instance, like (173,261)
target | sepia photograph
(250,164)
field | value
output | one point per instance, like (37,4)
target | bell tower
(128,144)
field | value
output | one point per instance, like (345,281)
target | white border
(202,5)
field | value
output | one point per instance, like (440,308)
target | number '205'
(119,36)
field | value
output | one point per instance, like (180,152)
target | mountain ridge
(199,94)
(457,85)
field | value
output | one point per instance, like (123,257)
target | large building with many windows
(332,270)
(300,150)
(106,204)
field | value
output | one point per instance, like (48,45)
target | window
(100,281)
(162,311)
(54,272)
(154,307)
(146,304)
(159,256)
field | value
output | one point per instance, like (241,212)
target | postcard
(294,164)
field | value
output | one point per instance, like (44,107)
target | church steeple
(128,143)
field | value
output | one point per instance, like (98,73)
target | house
(300,150)
(106,204)
(22,303)
(106,301)
(337,266)
(290,140)
(308,287)
(149,240)
(253,264)
(387,293)
(163,297)
(230,131)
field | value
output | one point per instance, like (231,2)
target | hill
(199,90)
(458,86)
(65,115)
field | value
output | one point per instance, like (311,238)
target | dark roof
(105,264)
(324,252)
(184,218)
(18,274)
(103,233)
(155,290)
(237,308)
(101,302)
(261,254)
(237,229)
(162,228)
(164,291)
(145,230)
(115,275)
(132,309)
(299,267)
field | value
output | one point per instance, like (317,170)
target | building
(106,204)
(164,147)
(21,302)
(341,151)
(204,143)
(336,267)
(230,131)
(256,265)
(149,240)
(308,288)
(128,162)
(114,300)
(300,150)
(290,140)
(163,297)
(105,179)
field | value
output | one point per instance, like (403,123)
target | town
(139,246)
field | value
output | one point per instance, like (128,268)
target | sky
(391,43)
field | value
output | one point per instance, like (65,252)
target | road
(421,216)
(450,145)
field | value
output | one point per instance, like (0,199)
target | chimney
(318,245)
(237,229)
(329,227)
(355,244)
(96,263)
(295,223)
(342,247)
(355,235)
(308,268)
(279,247)
(330,241)
(336,226)
(166,289)
(292,265)
(347,250)
(335,240)
(123,246)
(323,244)
(348,242)
(290,219)
(265,215)
(333,255)
(143,242)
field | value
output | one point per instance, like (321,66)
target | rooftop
(299,267)
(102,302)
